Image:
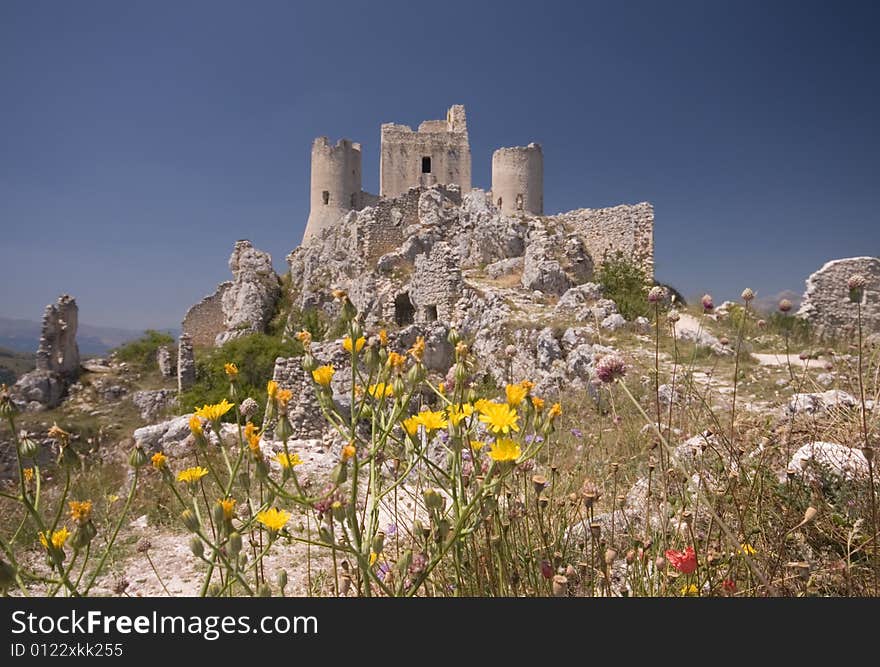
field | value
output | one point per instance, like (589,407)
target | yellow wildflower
(459,412)
(432,420)
(112,498)
(477,445)
(252,435)
(480,403)
(28,475)
(515,394)
(282,397)
(57,539)
(274,519)
(80,510)
(215,411)
(191,475)
(383,337)
(441,388)
(528,385)
(159,460)
(418,348)
(348,451)
(747,549)
(271,388)
(195,425)
(305,338)
(690,589)
(396,361)
(555,411)
(323,375)
(381,390)
(373,557)
(339,294)
(411,425)
(538,403)
(500,417)
(504,449)
(358,345)
(288,461)
(231,371)
(228,505)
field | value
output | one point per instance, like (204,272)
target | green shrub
(142,352)
(254,355)
(626,284)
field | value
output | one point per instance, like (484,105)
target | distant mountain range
(24,336)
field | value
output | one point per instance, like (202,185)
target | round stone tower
(335,185)
(518,179)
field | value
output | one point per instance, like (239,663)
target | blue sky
(139,140)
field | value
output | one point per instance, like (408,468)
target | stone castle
(438,153)
(429,247)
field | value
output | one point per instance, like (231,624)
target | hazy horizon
(141,141)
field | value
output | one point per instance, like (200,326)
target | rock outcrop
(57,359)
(249,302)
(826,303)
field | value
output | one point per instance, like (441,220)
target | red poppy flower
(729,586)
(546,569)
(683,561)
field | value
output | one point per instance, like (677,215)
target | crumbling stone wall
(186,363)
(57,358)
(605,231)
(438,153)
(380,228)
(436,284)
(204,321)
(826,303)
(58,351)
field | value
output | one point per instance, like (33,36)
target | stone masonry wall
(826,301)
(204,321)
(626,228)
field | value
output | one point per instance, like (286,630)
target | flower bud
(283,429)
(138,457)
(281,580)
(214,590)
(560,586)
(309,363)
(189,520)
(27,446)
(234,543)
(443,528)
(433,500)
(196,546)
(219,517)
(378,542)
(264,591)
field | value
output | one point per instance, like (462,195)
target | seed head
(748,294)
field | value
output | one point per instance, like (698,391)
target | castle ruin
(438,153)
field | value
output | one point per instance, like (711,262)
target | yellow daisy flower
(191,475)
(323,375)
(215,411)
(500,417)
(504,449)
(274,519)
